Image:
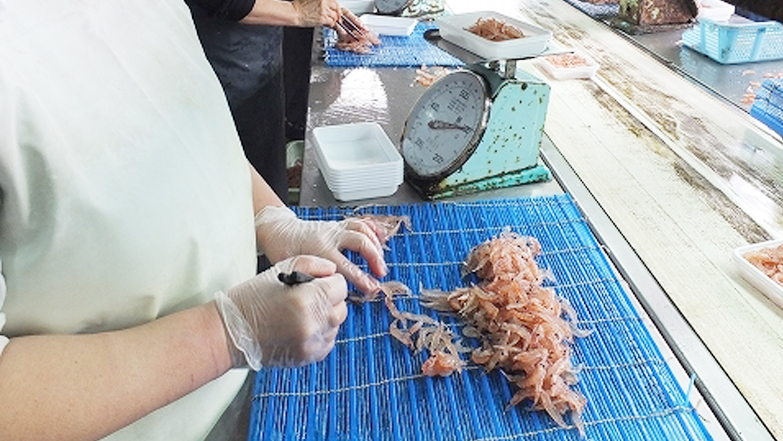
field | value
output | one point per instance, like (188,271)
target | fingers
(312,265)
(363,244)
(334,288)
(370,229)
(339,314)
(350,15)
(363,281)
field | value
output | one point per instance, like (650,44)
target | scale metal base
(442,189)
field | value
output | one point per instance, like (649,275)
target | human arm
(300,13)
(81,387)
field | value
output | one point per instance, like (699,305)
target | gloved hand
(281,235)
(273,324)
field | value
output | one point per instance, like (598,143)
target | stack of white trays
(357,161)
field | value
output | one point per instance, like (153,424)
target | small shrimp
(442,364)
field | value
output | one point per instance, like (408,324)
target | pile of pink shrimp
(769,261)
(495,30)
(521,324)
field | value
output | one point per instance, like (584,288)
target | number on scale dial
(445,125)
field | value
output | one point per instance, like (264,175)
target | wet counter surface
(672,177)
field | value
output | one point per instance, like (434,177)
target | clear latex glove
(281,235)
(317,12)
(273,324)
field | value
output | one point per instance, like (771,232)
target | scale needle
(436,124)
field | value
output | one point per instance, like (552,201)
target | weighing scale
(475,129)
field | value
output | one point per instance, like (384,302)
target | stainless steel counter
(386,95)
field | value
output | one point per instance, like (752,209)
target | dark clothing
(248,62)
(232,9)
(297,52)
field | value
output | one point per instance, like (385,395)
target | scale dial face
(445,126)
(391,7)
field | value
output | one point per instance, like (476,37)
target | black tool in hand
(349,27)
(294,278)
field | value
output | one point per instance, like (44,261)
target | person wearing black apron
(243,41)
(248,61)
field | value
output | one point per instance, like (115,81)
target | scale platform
(370,386)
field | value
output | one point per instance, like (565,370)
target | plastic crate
(733,43)
(768,106)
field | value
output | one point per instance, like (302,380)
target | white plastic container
(454,29)
(550,65)
(357,161)
(766,285)
(715,10)
(387,25)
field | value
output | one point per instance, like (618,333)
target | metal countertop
(386,95)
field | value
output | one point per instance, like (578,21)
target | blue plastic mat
(371,388)
(596,10)
(410,51)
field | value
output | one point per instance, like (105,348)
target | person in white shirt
(130,222)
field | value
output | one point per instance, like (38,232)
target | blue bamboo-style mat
(370,386)
(410,51)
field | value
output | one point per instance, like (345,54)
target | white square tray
(386,25)
(754,275)
(454,29)
(356,148)
(568,73)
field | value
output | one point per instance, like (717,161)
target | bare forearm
(263,195)
(63,387)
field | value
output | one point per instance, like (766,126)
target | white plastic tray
(358,161)
(568,73)
(754,275)
(367,193)
(359,147)
(386,25)
(454,29)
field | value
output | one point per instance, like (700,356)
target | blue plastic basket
(734,43)
(768,106)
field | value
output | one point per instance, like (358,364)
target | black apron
(248,62)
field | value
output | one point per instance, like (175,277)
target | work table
(672,179)
(679,176)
